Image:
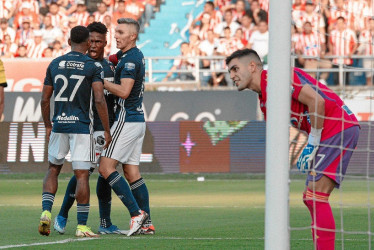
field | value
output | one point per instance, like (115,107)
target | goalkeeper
(333,134)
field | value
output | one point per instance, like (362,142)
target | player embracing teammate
(333,134)
(128,131)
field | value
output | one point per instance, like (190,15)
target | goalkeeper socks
(121,188)
(140,192)
(82,213)
(324,219)
(69,197)
(47,201)
(104,195)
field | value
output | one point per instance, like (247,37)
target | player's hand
(108,139)
(304,162)
(48,131)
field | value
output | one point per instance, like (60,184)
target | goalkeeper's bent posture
(333,134)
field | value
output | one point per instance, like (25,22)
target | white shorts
(80,146)
(99,142)
(127,142)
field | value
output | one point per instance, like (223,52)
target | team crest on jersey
(74,65)
(129,66)
(98,65)
(61,65)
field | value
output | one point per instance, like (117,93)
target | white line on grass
(150,238)
(47,243)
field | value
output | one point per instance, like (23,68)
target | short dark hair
(211,3)
(340,18)
(79,34)
(130,21)
(97,27)
(241,53)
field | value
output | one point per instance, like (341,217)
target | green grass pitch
(226,211)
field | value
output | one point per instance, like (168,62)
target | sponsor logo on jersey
(129,66)
(67,119)
(74,65)
(61,65)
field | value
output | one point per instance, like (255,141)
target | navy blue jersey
(109,97)
(71,76)
(131,65)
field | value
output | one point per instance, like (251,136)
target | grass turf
(223,212)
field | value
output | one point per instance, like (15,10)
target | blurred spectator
(134,8)
(239,11)
(223,4)
(24,34)
(6,9)
(149,9)
(219,78)
(81,13)
(367,48)
(34,5)
(359,10)
(91,19)
(119,12)
(182,64)
(314,18)
(311,43)
(342,42)
(202,29)
(6,30)
(206,48)
(58,18)
(50,33)
(215,15)
(339,9)
(239,36)
(26,13)
(57,49)
(21,52)
(9,48)
(228,22)
(259,40)
(109,35)
(101,12)
(71,24)
(36,47)
(48,53)
(194,45)
(264,4)
(258,13)
(247,27)
(228,44)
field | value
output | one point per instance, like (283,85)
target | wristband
(314,136)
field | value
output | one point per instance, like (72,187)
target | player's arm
(102,110)
(45,104)
(123,90)
(316,107)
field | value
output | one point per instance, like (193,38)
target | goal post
(278,106)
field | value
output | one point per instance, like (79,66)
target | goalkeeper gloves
(305,160)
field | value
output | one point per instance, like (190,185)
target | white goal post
(277,127)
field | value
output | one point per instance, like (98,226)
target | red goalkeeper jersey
(338,117)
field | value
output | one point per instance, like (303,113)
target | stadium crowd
(40,28)
(35,29)
(320,28)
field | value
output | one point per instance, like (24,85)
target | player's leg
(69,198)
(82,155)
(330,164)
(124,134)
(58,147)
(140,192)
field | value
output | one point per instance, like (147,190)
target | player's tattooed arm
(316,106)
(46,108)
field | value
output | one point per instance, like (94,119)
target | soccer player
(3,84)
(74,79)
(128,129)
(333,133)
(98,42)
